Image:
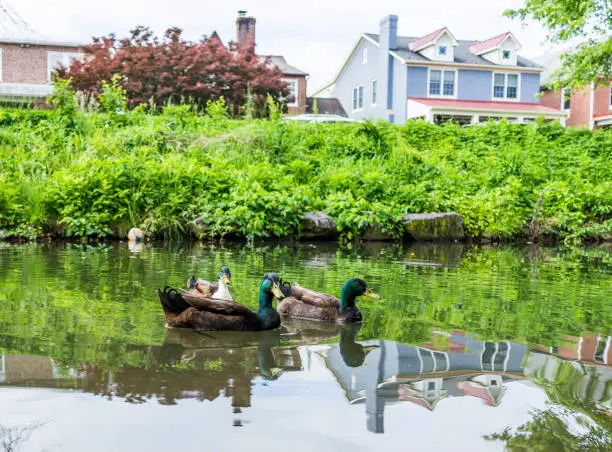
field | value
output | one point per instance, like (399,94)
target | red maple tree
(175,70)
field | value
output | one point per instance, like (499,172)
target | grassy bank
(70,174)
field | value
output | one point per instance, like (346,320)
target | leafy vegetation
(75,174)
(591,60)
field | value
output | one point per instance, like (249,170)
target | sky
(315,36)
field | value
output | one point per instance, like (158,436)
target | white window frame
(509,54)
(569,97)
(65,60)
(373,92)
(505,98)
(442,95)
(355,99)
(364,56)
(440,50)
(293,81)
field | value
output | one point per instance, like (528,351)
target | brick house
(26,66)
(590,106)
(27,59)
(296,78)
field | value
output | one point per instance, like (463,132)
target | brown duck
(206,313)
(307,304)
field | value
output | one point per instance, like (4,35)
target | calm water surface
(469,349)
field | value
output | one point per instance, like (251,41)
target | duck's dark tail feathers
(172,302)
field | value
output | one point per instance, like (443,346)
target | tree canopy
(589,61)
(154,70)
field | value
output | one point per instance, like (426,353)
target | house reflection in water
(454,365)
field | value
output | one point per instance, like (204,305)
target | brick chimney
(245,28)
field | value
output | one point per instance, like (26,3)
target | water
(469,349)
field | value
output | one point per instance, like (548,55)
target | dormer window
(506,54)
(441,50)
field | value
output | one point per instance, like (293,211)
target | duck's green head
(270,286)
(225,275)
(354,288)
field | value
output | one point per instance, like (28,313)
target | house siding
(301,96)
(416,81)
(601,99)
(474,85)
(530,87)
(356,74)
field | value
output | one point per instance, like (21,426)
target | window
(442,83)
(364,56)
(357,98)
(374,92)
(442,50)
(57,59)
(565,99)
(292,98)
(506,54)
(505,86)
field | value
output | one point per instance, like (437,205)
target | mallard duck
(219,290)
(207,313)
(308,304)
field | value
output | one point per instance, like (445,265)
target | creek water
(469,348)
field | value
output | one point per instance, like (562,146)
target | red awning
(478,105)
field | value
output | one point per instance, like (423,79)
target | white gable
(505,54)
(442,49)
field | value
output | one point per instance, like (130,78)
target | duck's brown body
(206,313)
(304,303)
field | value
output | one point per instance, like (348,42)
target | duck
(186,310)
(304,303)
(218,291)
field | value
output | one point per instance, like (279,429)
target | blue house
(438,77)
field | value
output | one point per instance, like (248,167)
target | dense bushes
(97,174)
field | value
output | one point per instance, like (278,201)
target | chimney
(245,28)
(388,32)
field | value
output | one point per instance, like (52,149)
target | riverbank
(71,175)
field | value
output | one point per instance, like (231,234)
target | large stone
(434,226)
(318,225)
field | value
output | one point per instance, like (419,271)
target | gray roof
(280,62)
(462,53)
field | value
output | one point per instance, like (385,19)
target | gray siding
(356,74)
(474,85)
(416,81)
(530,87)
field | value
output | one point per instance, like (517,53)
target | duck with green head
(307,304)
(207,313)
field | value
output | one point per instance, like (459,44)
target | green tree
(590,61)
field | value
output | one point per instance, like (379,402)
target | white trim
(367,38)
(569,98)
(442,95)
(42,42)
(435,40)
(506,98)
(296,100)
(498,46)
(364,56)
(1,65)
(484,67)
(373,92)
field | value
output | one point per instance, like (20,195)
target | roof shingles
(462,53)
